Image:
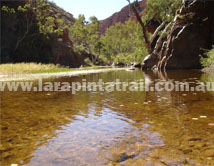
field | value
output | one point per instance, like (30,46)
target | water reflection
(118,128)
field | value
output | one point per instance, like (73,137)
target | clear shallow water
(117,128)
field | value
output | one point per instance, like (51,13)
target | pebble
(187,151)
(210,153)
(211,124)
(194,139)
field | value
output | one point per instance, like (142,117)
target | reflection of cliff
(175,116)
(119,127)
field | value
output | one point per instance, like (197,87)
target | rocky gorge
(179,46)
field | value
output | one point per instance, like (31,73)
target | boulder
(118,64)
(137,65)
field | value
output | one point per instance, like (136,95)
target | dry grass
(23,68)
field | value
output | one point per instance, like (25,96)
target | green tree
(94,45)
(85,36)
(161,10)
(30,28)
(48,22)
(208,59)
(124,43)
(79,34)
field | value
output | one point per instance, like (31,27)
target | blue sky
(99,8)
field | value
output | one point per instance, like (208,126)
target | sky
(99,8)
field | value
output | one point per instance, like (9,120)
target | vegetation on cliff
(39,31)
(34,31)
(131,42)
(208,60)
(189,31)
(29,29)
(161,10)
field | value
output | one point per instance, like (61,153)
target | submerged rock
(210,153)
(136,65)
(118,64)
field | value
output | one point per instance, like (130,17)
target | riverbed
(110,128)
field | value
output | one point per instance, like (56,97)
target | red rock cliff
(121,16)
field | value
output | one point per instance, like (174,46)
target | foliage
(208,60)
(121,42)
(162,9)
(30,28)
(79,34)
(124,43)
(48,22)
(85,35)
(7,9)
(88,62)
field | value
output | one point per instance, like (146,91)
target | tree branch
(147,42)
(157,31)
(28,26)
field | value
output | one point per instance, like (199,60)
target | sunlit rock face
(63,50)
(192,29)
(121,16)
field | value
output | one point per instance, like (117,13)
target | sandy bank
(18,77)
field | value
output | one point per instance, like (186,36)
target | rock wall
(35,46)
(191,30)
(121,16)
(63,50)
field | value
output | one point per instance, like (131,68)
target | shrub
(88,62)
(208,60)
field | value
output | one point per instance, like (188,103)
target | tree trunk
(147,42)
(157,31)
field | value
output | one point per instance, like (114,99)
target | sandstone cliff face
(121,16)
(191,30)
(35,47)
(63,51)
